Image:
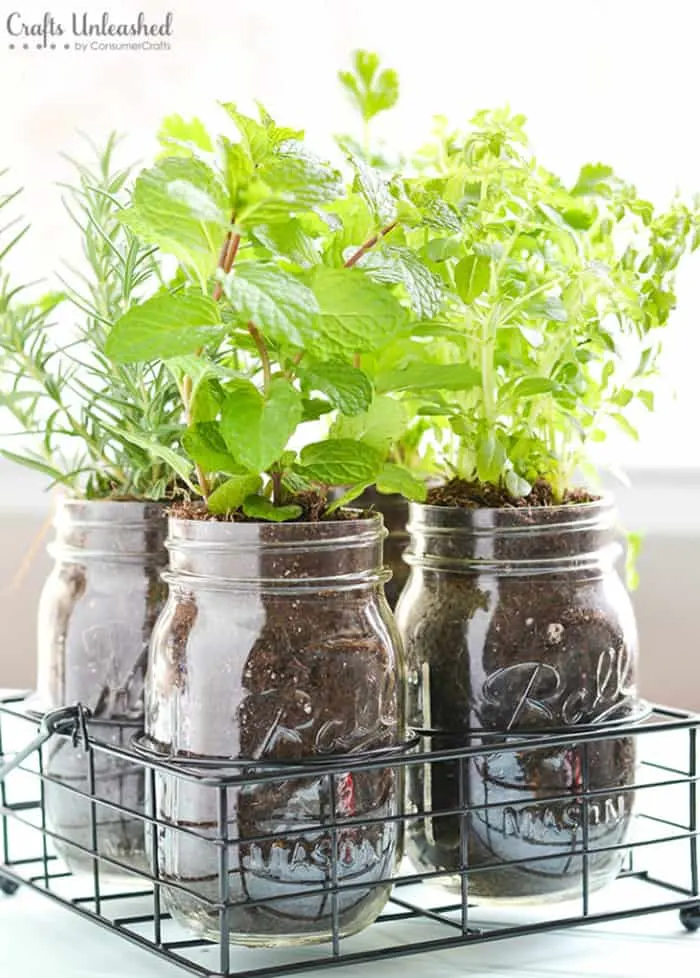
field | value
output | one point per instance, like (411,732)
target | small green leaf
(348,388)
(164,326)
(472,276)
(401,265)
(180,205)
(356,314)
(490,458)
(380,426)
(259,508)
(532,386)
(178,463)
(314,408)
(427,376)
(340,462)
(647,399)
(397,479)
(347,497)
(256,429)
(518,487)
(625,425)
(230,495)
(180,137)
(205,445)
(277,302)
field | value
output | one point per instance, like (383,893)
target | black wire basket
(427,910)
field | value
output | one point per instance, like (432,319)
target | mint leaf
(256,429)
(230,495)
(181,138)
(402,266)
(254,135)
(382,424)
(356,314)
(180,206)
(300,178)
(340,462)
(374,188)
(397,479)
(204,444)
(347,497)
(277,302)
(472,276)
(289,240)
(427,376)
(164,326)
(260,508)
(314,408)
(348,388)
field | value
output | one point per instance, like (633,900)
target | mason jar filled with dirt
(515,622)
(96,614)
(276,646)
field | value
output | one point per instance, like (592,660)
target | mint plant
(276,315)
(76,415)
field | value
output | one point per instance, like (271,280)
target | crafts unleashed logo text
(88,32)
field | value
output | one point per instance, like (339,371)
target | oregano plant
(555,296)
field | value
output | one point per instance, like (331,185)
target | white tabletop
(41,940)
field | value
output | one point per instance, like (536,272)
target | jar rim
(517,518)
(232,534)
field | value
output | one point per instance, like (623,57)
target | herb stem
(369,244)
(264,355)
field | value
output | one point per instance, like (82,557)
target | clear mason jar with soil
(515,620)
(96,614)
(277,645)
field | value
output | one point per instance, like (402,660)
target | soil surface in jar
(319,680)
(515,655)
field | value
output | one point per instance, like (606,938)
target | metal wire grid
(452,922)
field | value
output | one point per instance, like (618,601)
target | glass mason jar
(394,510)
(276,644)
(515,620)
(96,614)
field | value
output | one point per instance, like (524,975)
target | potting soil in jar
(515,621)
(275,647)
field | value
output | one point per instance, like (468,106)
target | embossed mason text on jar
(515,621)
(277,645)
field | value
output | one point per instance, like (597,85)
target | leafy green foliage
(99,428)
(552,298)
(372,89)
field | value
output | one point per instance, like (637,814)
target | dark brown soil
(474,495)
(314,510)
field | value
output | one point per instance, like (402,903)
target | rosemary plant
(79,417)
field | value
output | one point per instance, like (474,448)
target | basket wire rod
(463,846)
(3,804)
(693,819)
(223,860)
(42,810)
(585,786)
(335,911)
(93,829)
(155,869)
